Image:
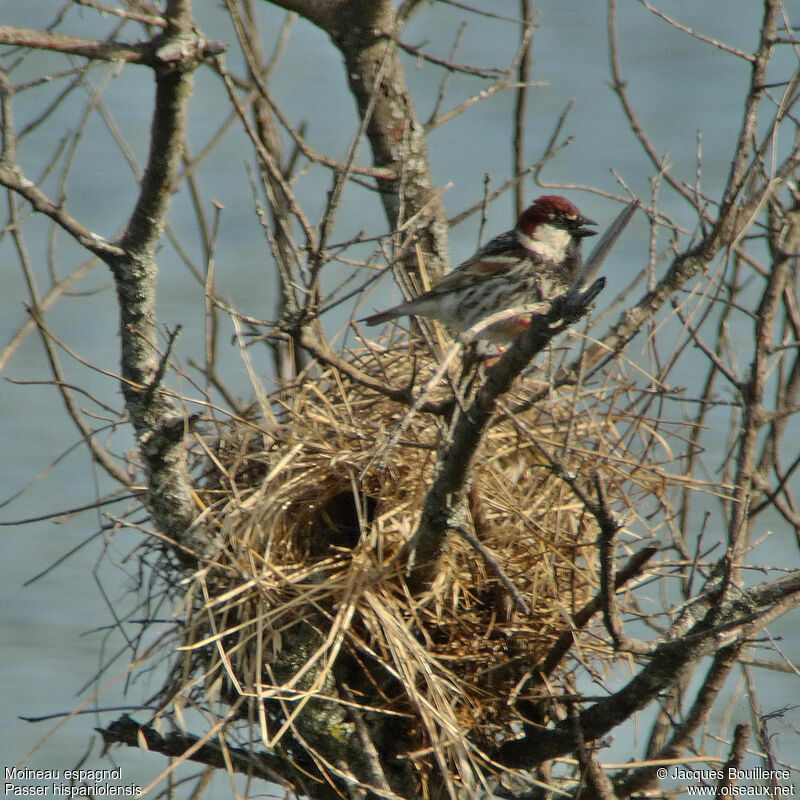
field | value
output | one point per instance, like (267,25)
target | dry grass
(309,586)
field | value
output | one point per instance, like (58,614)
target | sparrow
(528,267)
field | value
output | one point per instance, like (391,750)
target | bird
(528,266)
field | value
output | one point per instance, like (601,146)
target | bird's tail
(383,316)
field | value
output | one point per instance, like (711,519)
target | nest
(313,513)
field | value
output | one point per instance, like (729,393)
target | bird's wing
(494,258)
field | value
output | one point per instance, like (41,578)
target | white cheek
(551,243)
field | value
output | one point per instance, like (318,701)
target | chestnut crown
(552,209)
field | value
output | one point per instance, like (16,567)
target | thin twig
(520,109)
(491,561)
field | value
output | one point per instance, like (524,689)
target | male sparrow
(526,267)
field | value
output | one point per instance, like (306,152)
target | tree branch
(642,777)
(160,427)
(739,619)
(149,53)
(737,753)
(179,745)
(610,526)
(364,31)
(444,508)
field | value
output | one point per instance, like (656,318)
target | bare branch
(138,16)
(520,109)
(632,569)
(444,506)
(758,79)
(751,611)
(741,734)
(182,746)
(697,716)
(598,784)
(99,453)
(12,178)
(494,565)
(715,42)
(150,53)
(364,34)
(609,528)
(160,427)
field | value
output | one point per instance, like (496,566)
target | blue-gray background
(679,86)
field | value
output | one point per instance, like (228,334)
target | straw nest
(311,511)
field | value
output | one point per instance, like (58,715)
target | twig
(267,159)
(620,88)
(327,356)
(131,52)
(720,367)
(482,12)
(695,718)
(370,751)
(12,178)
(758,78)
(66,512)
(186,747)
(340,178)
(99,453)
(136,16)
(609,528)
(762,728)
(598,783)
(752,421)
(302,145)
(494,565)
(489,198)
(505,82)
(449,65)
(467,104)
(446,77)
(520,109)
(394,117)
(741,733)
(707,39)
(632,569)
(552,147)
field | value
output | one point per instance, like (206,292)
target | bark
(160,426)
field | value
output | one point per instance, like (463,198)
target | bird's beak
(582,232)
